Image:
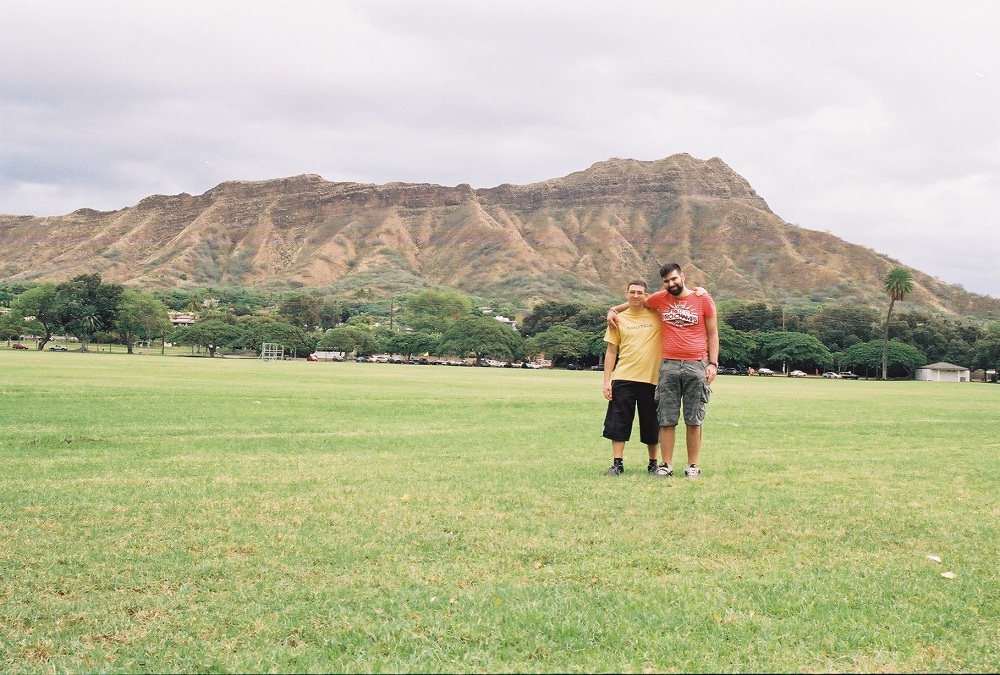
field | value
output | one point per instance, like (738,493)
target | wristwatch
(713,363)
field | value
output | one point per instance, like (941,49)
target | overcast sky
(876,121)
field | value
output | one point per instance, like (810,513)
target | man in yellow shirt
(631,373)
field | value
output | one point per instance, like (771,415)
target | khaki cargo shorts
(682,384)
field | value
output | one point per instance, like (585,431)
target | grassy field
(170,514)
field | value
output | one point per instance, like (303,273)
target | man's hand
(698,290)
(710,372)
(612,321)
(607,390)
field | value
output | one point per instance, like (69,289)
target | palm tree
(90,323)
(898,283)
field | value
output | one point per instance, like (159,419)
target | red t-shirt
(684,334)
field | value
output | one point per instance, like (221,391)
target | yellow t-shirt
(639,345)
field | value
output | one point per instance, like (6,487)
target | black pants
(626,398)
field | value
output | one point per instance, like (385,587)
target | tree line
(446,323)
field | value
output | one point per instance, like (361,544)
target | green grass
(217,515)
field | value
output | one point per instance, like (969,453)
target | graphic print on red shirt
(681,315)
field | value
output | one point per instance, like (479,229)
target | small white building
(942,372)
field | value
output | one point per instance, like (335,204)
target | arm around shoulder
(613,314)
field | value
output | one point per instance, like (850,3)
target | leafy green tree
(11,326)
(258,331)
(349,339)
(15,288)
(737,348)
(433,311)
(560,343)
(986,351)
(209,333)
(552,313)
(140,316)
(409,343)
(592,319)
(898,283)
(793,350)
(902,359)
(39,307)
(939,338)
(333,313)
(597,346)
(482,336)
(244,301)
(382,335)
(840,327)
(530,347)
(362,321)
(302,310)
(962,346)
(928,333)
(87,305)
(753,317)
(174,298)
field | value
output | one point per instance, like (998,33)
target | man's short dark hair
(637,282)
(668,268)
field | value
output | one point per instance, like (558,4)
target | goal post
(272,351)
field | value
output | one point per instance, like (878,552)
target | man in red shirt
(690,333)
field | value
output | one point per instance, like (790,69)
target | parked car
(847,375)
(729,371)
(57,348)
(796,373)
(766,372)
(574,366)
(833,376)
(18,345)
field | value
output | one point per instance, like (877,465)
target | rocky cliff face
(582,236)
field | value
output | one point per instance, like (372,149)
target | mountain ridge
(580,236)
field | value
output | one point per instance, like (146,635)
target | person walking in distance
(631,372)
(690,351)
